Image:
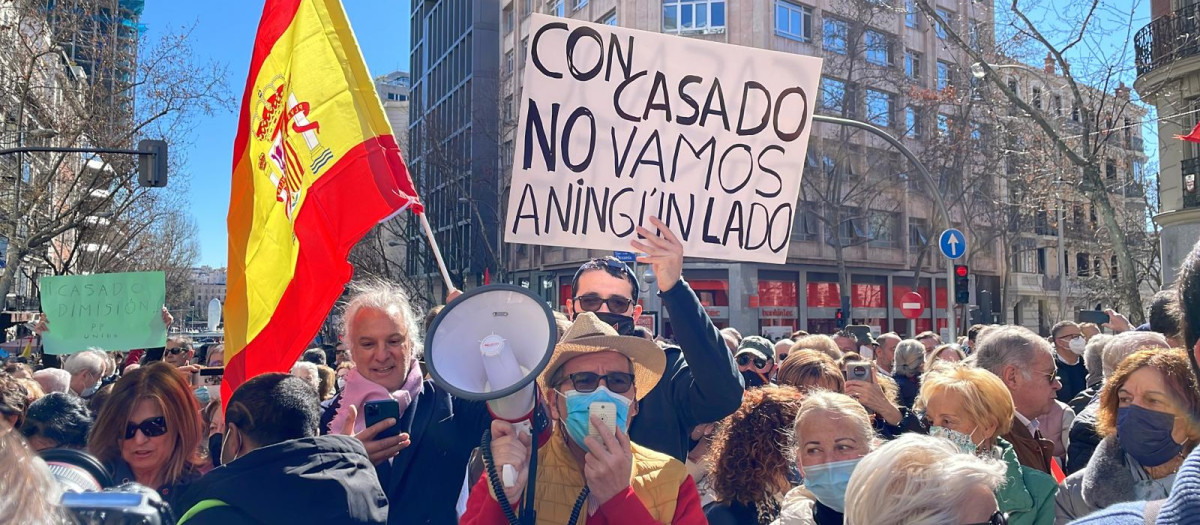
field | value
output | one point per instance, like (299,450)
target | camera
(125,504)
(858,372)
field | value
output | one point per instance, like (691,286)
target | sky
(224,33)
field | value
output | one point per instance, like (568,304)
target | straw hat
(589,335)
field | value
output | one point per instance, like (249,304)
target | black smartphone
(1091,316)
(210,375)
(376,411)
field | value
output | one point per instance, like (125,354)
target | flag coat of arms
(315,166)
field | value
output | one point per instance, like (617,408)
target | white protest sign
(617,126)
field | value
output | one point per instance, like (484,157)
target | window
(939,28)
(1128,129)
(558,8)
(833,95)
(912,15)
(1110,171)
(1075,113)
(943,125)
(1036,97)
(793,21)
(1082,261)
(508,62)
(879,108)
(976,135)
(836,34)
(508,20)
(918,236)
(610,18)
(580,4)
(1014,87)
(1056,105)
(681,16)
(883,228)
(943,75)
(524,49)
(912,65)
(913,122)
(806,224)
(879,48)
(508,108)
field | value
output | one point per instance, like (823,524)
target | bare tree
(1060,31)
(137,88)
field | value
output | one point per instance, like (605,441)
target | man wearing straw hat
(580,477)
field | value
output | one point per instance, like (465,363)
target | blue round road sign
(953,243)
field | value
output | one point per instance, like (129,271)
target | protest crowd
(1001,426)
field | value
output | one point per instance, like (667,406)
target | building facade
(208,283)
(452,137)
(1168,67)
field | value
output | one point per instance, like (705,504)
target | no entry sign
(911,305)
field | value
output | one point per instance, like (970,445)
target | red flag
(1194,136)
(487,276)
(315,167)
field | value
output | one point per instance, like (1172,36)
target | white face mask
(1078,345)
(866,351)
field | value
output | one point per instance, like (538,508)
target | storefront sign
(777,312)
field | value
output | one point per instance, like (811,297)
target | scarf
(359,390)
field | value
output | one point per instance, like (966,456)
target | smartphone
(859,371)
(376,411)
(606,412)
(210,376)
(1091,316)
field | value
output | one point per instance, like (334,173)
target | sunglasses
(593,302)
(177,350)
(998,518)
(153,427)
(586,382)
(744,359)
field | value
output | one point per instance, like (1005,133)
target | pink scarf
(359,390)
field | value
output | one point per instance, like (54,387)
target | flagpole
(437,252)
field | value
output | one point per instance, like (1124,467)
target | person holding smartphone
(594,375)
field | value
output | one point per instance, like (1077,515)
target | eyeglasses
(1051,377)
(585,382)
(783,357)
(592,303)
(1069,336)
(153,427)
(744,359)
(176,350)
(997,518)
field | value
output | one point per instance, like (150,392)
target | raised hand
(663,251)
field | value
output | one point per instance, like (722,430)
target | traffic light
(152,163)
(841,320)
(962,284)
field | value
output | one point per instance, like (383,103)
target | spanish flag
(315,166)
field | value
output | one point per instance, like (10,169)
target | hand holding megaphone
(511,449)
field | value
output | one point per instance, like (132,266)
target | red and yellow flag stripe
(315,166)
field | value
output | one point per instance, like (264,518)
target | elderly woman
(906,369)
(810,369)
(308,372)
(1146,409)
(749,462)
(972,408)
(920,479)
(150,431)
(437,432)
(944,353)
(832,433)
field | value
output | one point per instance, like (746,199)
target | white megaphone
(490,344)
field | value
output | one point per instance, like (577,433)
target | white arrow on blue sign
(953,243)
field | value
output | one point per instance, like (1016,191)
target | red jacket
(623,509)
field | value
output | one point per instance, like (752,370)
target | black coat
(423,481)
(910,388)
(324,479)
(701,383)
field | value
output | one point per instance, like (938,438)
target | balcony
(1190,169)
(1167,39)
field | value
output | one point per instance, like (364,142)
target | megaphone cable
(528,514)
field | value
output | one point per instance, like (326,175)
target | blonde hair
(820,343)
(830,406)
(933,356)
(916,479)
(985,398)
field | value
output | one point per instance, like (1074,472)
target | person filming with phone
(588,470)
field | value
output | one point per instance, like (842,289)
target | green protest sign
(113,311)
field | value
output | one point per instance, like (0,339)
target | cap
(756,345)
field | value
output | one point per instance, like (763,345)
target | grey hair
(1122,345)
(86,361)
(907,477)
(1009,346)
(909,358)
(831,406)
(388,297)
(314,376)
(53,380)
(1092,357)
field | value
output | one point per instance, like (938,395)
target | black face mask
(753,379)
(214,448)
(622,323)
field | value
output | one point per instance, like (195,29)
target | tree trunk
(1127,281)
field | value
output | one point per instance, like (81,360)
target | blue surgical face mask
(87,392)
(578,404)
(1146,435)
(202,395)
(964,442)
(828,482)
